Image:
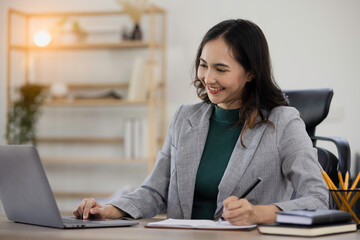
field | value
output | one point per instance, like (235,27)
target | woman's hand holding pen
(242,212)
(239,211)
(89,207)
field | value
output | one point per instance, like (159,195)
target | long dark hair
(249,47)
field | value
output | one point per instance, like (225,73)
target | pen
(252,186)
(257,181)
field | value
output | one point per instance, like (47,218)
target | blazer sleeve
(299,163)
(151,198)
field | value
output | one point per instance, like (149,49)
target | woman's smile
(215,90)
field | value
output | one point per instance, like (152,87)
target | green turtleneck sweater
(220,143)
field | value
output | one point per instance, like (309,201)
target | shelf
(153,8)
(93,102)
(79,46)
(74,86)
(95,85)
(88,140)
(91,160)
(73,140)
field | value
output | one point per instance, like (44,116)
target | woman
(242,130)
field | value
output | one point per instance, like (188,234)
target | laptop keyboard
(77,221)
(72,222)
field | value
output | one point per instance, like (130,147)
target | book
(137,78)
(109,94)
(144,85)
(140,80)
(140,138)
(306,231)
(198,224)
(313,217)
(135,134)
(128,124)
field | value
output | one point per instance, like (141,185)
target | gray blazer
(282,156)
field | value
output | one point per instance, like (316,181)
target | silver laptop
(26,194)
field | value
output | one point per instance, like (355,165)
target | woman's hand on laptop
(90,208)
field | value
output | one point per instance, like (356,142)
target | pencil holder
(346,200)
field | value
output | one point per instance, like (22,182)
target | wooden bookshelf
(151,45)
(79,46)
(153,9)
(154,48)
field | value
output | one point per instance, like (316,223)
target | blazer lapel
(191,145)
(238,163)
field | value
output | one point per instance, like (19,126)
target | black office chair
(313,105)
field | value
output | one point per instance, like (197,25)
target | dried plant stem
(134,8)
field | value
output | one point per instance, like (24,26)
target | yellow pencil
(353,200)
(346,182)
(341,181)
(356,181)
(343,200)
(323,173)
(353,186)
(346,185)
(342,185)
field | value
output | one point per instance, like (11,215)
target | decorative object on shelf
(125,34)
(42,38)
(66,31)
(136,33)
(79,32)
(23,115)
(135,9)
(59,90)
(109,94)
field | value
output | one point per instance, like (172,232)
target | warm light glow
(42,38)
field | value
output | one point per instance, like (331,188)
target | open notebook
(198,224)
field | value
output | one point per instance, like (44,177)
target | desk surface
(14,231)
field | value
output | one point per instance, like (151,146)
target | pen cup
(346,200)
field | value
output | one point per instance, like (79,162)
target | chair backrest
(313,105)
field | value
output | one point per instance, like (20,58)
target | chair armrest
(343,148)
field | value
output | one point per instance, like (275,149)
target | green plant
(23,115)
(79,31)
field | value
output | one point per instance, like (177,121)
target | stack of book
(135,137)
(310,223)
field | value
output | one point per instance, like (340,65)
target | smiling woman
(223,77)
(214,150)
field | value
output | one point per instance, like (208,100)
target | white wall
(313,44)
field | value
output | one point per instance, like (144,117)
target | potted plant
(23,115)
